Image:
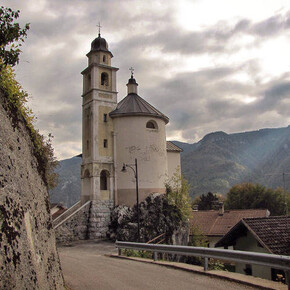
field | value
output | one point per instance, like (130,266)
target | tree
(10,34)
(177,190)
(206,202)
(249,195)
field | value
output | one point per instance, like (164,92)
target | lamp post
(137,190)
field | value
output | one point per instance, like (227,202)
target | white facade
(114,134)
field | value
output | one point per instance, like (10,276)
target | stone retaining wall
(28,256)
(75,227)
(100,216)
(89,222)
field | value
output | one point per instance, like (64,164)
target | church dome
(134,105)
(100,44)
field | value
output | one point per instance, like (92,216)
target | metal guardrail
(269,260)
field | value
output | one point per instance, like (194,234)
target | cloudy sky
(208,65)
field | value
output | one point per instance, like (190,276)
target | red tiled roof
(213,224)
(172,147)
(273,233)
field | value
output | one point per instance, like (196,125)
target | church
(116,137)
(130,133)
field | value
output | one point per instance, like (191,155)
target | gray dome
(100,44)
(134,105)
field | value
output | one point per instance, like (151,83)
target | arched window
(104,79)
(151,125)
(104,180)
(104,58)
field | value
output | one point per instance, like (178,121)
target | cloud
(208,79)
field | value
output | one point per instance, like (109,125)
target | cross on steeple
(99,25)
(132,71)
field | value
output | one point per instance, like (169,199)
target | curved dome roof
(100,44)
(134,105)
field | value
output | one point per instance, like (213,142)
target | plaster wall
(98,58)
(105,131)
(249,243)
(134,140)
(173,164)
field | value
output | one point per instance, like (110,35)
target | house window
(104,79)
(151,125)
(104,180)
(105,118)
(105,143)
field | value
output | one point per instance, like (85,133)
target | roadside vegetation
(14,98)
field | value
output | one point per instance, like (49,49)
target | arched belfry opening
(104,79)
(151,125)
(104,180)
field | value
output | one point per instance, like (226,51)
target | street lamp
(137,191)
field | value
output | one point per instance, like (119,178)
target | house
(262,235)
(214,224)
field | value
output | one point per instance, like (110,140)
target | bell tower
(99,99)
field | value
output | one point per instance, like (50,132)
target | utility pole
(284,187)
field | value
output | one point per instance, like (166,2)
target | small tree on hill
(206,201)
(177,190)
(250,196)
(10,35)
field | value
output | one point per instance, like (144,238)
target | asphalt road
(86,267)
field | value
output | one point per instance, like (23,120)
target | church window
(104,180)
(104,79)
(104,58)
(105,143)
(105,118)
(151,125)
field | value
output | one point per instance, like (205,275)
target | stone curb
(255,281)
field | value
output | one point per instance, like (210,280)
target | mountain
(68,190)
(220,160)
(215,163)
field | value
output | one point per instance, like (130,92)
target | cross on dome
(132,71)
(99,25)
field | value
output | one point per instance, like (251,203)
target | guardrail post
(155,256)
(287,276)
(205,265)
(119,251)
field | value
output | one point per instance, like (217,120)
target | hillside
(221,160)
(68,190)
(215,163)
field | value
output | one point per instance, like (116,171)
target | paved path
(85,266)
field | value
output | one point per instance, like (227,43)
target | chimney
(221,208)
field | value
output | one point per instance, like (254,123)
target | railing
(269,260)
(68,214)
(156,238)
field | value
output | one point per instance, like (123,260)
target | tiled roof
(273,233)
(134,105)
(172,147)
(213,224)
